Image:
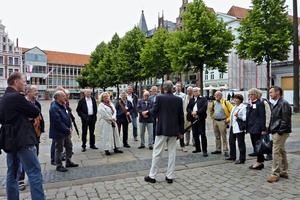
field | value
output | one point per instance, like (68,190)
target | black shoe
(53,163)
(150,147)
(259,167)
(150,180)
(126,145)
(107,153)
(71,165)
(205,154)
(118,151)
(216,152)
(226,154)
(169,180)
(63,158)
(61,169)
(196,151)
(230,158)
(239,162)
(268,158)
(141,147)
(187,144)
(252,154)
(83,149)
(94,147)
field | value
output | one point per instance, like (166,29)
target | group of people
(165,116)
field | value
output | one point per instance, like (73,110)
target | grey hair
(189,88)
(254,90)
(58,93)
(168,86)
(196,88)
(28,88)
(67,91)
(259,93)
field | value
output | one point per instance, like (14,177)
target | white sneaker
(183,149)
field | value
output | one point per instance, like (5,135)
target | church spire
(143,25)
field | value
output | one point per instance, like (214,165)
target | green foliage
(129,66)
(266,32)
(153,57)
(108,64)
(204,41)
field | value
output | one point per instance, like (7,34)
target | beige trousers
(280,162)
(220,131)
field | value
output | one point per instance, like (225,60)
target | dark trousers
(91,125)
(266,137)
(60,144)
(240,137)
(124,125)
(199,130)
(254,139)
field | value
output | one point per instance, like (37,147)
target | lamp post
(296,57)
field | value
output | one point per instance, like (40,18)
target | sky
(78,26)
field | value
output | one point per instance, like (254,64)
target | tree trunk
(200,78)
(268,78)
(118,91)
(140,89)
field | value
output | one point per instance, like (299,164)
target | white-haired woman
(109,133)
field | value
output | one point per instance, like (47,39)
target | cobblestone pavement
(120,176)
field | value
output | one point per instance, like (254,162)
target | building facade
(49,69)
(10,58)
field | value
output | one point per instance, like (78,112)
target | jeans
(150,133)
(134,124)
(26,158)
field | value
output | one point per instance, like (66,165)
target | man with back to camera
(280,128)
(17,112)
(170,121)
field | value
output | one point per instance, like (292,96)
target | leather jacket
(281,118)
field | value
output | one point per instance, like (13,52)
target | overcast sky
(78,26)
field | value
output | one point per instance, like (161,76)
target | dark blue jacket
(169,111)
(143,106)
(256,117)
(60,122)
(121,117)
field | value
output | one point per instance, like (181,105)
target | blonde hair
(101,96)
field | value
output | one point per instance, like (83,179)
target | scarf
(108,104)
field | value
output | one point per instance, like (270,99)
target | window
(71,71)
(10,48)
(10,71)
(58,70)
(221,75)
(212,75)
(63,71)
(67,71)
(1,60)
(1,71)
(4,48)
(16,61)
(49,81)
(206,76)
(10,60)
(4,39)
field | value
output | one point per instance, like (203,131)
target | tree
(154,56)
(90,74)
(129,52)
(204,41)
(265,33)
(107,66)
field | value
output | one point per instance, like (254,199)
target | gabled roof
(64,57)
(238,12)
(142,24)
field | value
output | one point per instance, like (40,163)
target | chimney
(17,43)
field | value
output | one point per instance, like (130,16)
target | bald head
(218,95)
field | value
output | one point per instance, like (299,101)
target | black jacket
(256,118)
(143,106)
(135,102)
(201,106)
(169,111)
(16,110)
(281,118)
(82,109)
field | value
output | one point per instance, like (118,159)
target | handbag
(263,147)
(241,123)
(7,138)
